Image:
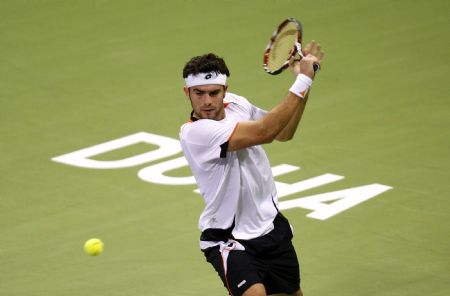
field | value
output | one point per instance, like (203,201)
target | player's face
(207,101)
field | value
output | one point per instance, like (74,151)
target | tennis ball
(93,247)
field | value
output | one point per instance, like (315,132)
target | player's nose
(207,99)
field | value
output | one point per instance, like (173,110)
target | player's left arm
(289,130)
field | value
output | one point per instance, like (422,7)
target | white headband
(206,78)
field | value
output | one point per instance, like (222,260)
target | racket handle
(316,68)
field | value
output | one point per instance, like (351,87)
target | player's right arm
(266,129)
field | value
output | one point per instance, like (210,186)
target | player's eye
(214,93)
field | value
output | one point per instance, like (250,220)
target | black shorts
(269,259)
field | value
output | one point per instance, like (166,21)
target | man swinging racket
(244,235)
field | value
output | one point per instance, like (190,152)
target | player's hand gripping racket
(285,43)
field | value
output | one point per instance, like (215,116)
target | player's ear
(186,91)
(225,88)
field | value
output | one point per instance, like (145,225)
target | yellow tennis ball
(93,247)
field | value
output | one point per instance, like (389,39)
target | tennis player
(243,234)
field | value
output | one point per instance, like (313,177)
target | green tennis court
(76,74)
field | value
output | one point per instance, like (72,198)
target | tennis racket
(285,43)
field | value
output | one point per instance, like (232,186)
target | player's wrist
(301,86)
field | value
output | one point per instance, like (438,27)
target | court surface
(74,74)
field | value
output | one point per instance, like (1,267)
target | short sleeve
(207,140)
(257,113)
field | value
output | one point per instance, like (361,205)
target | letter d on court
(81,158)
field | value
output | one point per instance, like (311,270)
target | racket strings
(282,47)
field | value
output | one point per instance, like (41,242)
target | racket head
(282,46)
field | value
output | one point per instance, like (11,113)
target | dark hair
(206,63)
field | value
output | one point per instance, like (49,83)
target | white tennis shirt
(236,186)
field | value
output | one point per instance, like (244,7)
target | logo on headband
(208,76)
